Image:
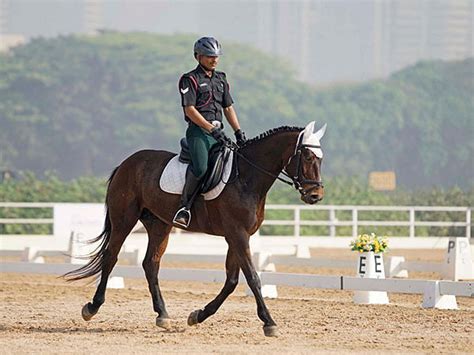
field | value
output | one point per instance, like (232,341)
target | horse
(133,194)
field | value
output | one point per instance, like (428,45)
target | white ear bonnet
(313,138)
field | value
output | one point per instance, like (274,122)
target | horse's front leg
(240,244)
(232,270)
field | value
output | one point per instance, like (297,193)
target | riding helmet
(208,46)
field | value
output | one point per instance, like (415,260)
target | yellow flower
(369,242)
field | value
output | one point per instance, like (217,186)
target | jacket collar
(200,69)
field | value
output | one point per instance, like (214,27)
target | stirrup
(182,221)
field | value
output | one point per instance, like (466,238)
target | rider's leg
(199,143)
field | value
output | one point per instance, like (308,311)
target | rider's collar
(204,71)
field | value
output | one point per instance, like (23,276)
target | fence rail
(431,289)
(355,221)
(352,217)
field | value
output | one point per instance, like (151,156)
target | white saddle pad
(173,178)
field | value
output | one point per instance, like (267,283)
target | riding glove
(240,136)
(219,135)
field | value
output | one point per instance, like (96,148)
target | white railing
(27,221)
(296,222)
(432,290)
(356,222)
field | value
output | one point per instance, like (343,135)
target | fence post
(332,220)
(302,250)
(468,223)
(412,222)
(297,222)
(355,219)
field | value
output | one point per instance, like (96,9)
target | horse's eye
(307,156)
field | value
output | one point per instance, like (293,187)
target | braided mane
(270,133)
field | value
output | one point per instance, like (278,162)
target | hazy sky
(325,40)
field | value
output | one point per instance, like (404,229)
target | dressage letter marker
(459,264)
(370,266)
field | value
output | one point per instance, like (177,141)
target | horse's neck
(270,154)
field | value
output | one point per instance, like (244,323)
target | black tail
(94,266)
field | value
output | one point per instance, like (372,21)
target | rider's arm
(197,118)
(231,116)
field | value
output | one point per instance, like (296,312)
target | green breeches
(199,142)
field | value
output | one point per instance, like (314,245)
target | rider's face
(209,63)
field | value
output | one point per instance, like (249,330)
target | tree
(79,105)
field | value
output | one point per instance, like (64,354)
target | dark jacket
(209,95)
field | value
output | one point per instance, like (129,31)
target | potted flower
(370,247)
(370,265)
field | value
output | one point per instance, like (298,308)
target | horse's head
(304,166)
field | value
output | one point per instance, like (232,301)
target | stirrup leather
(186,212)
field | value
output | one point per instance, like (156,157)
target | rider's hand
(219,135)
(240,136)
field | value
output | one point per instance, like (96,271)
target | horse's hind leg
(232,279)
(158,233)
(122,224)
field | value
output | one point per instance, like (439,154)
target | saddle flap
(218,156)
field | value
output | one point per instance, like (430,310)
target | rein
(297,180)
(234,147)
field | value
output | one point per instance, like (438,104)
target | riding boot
(191,188)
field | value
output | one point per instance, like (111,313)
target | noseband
(298,179)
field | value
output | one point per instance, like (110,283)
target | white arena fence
(433,291)
(352,216)
(298,218)
(73,223)
(86,221)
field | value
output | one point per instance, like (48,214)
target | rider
(204,94)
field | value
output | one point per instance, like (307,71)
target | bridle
(298,179)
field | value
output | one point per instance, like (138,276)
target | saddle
(218,157)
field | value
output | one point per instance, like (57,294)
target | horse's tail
(94,266)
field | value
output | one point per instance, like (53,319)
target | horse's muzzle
(312,198)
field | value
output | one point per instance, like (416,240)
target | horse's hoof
(270,331)
(164,323)
(193,317)
(86,314)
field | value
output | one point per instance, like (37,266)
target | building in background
(415,30)
(92,16)
(326,41)
(338,41)
(7,40)
(451,25)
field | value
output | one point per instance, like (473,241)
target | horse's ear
(308,131)
(319,134)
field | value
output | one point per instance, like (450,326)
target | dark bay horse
(133,194)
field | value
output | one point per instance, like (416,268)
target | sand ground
(41,314)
